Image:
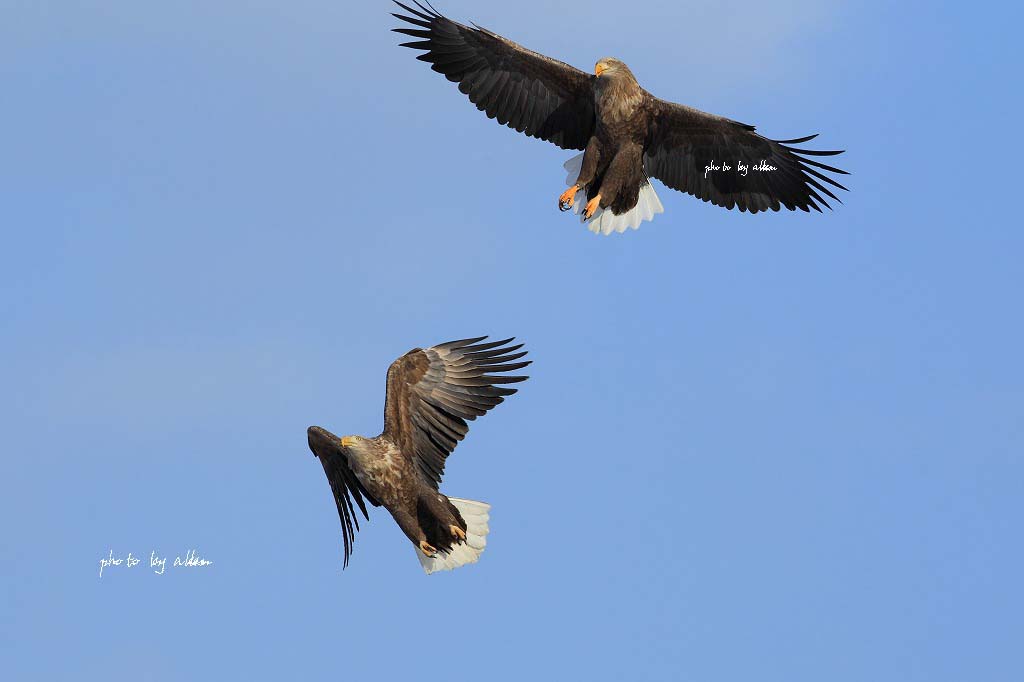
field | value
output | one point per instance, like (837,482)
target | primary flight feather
(627,135)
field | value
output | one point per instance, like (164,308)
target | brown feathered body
(613,162)
(431,393)
(389,478)
(627,134)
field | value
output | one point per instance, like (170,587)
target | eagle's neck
(617,98)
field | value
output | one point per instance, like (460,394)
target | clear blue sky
(775,447)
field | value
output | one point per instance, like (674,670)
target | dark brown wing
(683,142)
(345,487)
(431,393)
(524,90)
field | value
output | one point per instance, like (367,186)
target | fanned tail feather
(604,221)
(476,516)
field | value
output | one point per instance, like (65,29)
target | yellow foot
(568,196)
(427,549)
(592,206)
(458,532)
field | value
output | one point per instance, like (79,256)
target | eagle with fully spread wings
(431,393)
(626,134)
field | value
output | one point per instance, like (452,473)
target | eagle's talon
(591,208)
(457,532)
(427,549)
(565,201)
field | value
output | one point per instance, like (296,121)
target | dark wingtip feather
(825,178)
(816,152)
(414,22)
(429,9)
(410,9)
(477,347)
(506,380)
(830,169)
(507,367)
(415,45)
(819,200)
(817,185)
(414,32)
(432,8)
(798,140)
(459,343)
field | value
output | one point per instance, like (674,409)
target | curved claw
(427,548)
(591,208)
(566,200)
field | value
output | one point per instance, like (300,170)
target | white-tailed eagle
(627,135)
(431,394)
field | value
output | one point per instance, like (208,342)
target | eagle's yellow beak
(348,441)
(599,68)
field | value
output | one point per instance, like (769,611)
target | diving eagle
(430,395)
(627,135)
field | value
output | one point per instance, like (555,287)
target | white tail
(476,515)
(604,221)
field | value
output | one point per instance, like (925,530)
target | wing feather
(345,487)
(433,392)
(683,141)
(522,89)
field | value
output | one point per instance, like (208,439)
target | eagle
(626,134)
(431,393)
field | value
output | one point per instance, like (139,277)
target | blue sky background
(774,447)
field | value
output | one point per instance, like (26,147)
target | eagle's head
(322,441)
(355,443)
(611,67)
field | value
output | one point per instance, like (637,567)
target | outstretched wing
(524,90)
(431,393)
(684,144)
(345,487)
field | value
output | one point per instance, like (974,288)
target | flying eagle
(627,135)
(430,395)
